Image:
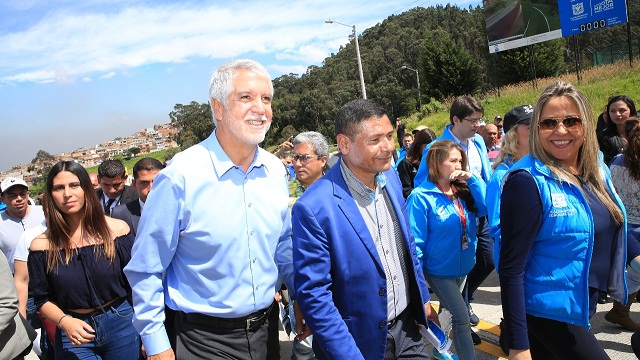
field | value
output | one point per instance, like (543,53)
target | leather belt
(114,304)
(249,322)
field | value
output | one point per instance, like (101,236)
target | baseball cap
(518,115)
(10,182)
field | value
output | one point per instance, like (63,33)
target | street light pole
(355,36)
(418,80)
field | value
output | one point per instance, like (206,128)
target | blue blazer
(340,282)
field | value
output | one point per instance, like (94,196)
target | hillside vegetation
(598,83)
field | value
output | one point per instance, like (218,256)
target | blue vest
(556,280)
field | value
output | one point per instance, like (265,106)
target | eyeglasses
(305,158)
(571,123)
(473,121)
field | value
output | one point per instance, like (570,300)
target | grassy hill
(597,85)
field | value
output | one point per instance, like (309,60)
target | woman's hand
(78,332)
(460,175)
(519,354)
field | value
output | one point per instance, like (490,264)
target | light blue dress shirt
(222,236)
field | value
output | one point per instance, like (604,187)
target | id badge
(465,241)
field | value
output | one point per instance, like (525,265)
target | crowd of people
(205,258)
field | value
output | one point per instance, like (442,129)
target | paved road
(487,307)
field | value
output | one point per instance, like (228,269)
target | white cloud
(66,45)
(293,69)
(108,75)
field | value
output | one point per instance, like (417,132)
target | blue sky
(76,73)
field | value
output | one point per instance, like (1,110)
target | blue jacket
(494,189)
(557,272)
(437,229)
(402,153)
(423,170)
(339,278)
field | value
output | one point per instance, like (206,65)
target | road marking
(486,346)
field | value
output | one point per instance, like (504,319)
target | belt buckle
(255,320)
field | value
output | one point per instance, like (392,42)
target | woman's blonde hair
(508,147)
(588,164)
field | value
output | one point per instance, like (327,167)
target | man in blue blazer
(357,276)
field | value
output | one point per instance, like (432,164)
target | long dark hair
(94,224)
(625,99)
(438,153)
(423,137)
(632,152)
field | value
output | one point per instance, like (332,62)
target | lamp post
(355,36)
(418,80)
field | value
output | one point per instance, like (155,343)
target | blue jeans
(116,338)
(449,293)
(484,257)
(301,350)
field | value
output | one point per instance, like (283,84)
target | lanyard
(459,209)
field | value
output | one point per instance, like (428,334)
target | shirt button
(386,252)
(382,324)
(253,261)
(382,292)
(249,205)
(251,233)
(257,286)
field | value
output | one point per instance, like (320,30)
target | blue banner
(578,16)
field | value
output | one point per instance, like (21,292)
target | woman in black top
(75,268)
(408,167)
(612,140)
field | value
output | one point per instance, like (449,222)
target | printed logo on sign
(577,8)
(603,6)
(558,200)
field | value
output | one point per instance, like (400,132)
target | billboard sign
(515,23)
(578,16)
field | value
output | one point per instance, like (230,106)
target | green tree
(134,151)
(170,153)
(515,64)
(42,155)
(448,68)
(193,121)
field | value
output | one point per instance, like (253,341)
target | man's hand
(285,146)
(165,355)
(431,313)
(301,327)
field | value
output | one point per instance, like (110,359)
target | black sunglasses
(571,123)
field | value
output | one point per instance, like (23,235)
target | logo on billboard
(577,9)
(603,6)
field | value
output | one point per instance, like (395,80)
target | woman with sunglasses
(613,140)
(75,269)
(442,213)
(558,208)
